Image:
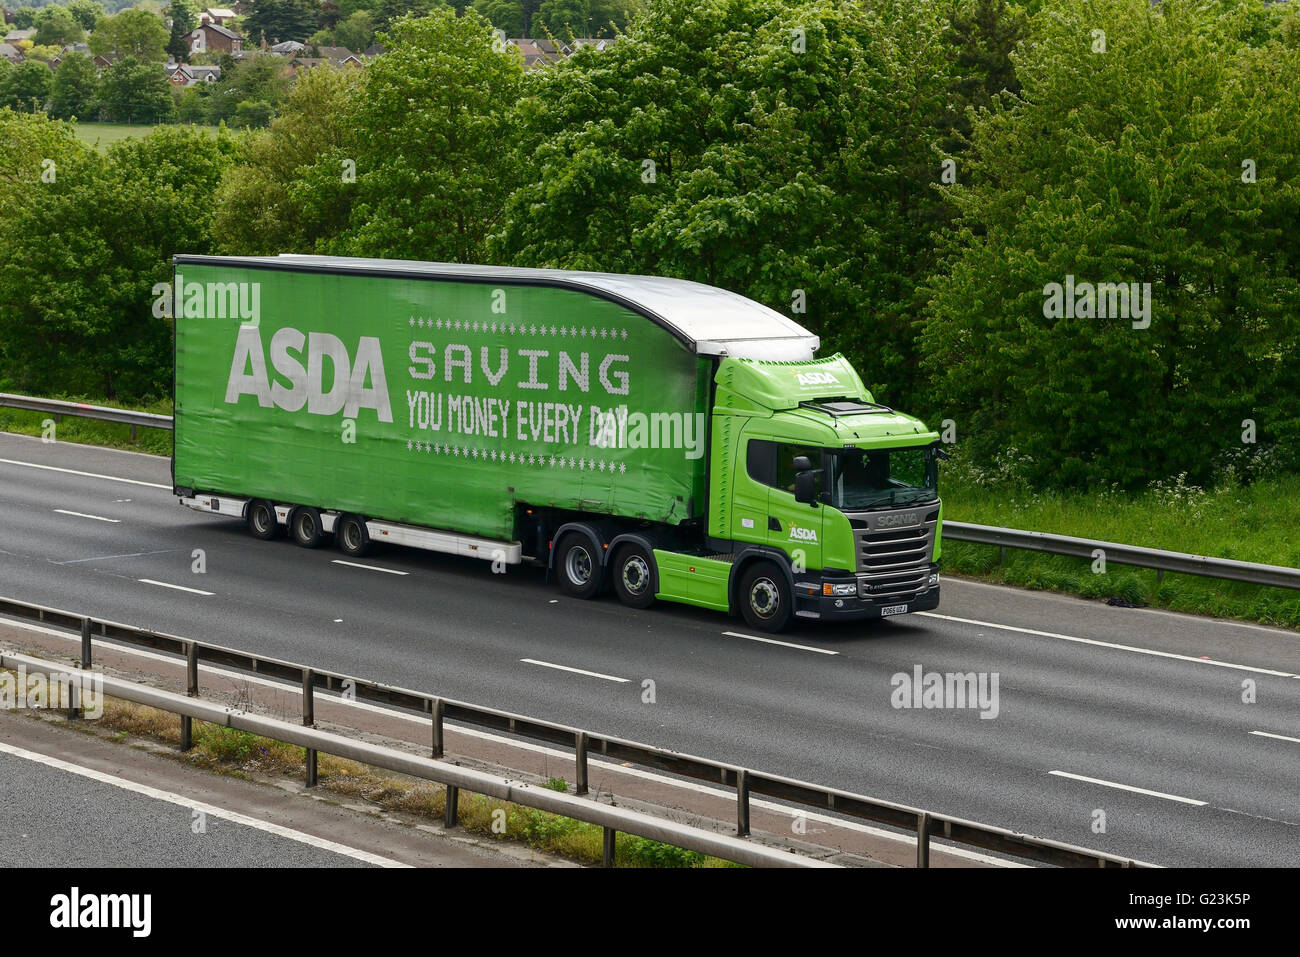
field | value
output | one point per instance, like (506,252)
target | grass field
(103,135)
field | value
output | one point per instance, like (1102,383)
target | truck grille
(893,550)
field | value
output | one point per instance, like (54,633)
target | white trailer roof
(711,321)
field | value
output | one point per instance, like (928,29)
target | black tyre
(351,536)
(304,527)
(578,565)
(260,517)
(633,571)
(765,597)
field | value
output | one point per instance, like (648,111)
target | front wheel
(765,597)
(579,568)
(633,570)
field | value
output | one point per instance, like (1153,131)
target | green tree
(276,21)
(783,151)
(77,313)
(433,154)
(132,33)
(26,86)
(255,79)
(185,17)
(1172,159)
(88,13)
(289,188)
(24,18)
(56,27)
(135,92)
(76,83)
(505,15)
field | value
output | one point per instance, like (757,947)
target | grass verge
(1247,522)
(239,753)
(92,431)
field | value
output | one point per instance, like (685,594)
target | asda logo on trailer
(356,380)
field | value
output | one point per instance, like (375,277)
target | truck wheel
(261,519)
(351,535)
(578,564)
(765,598)
(304,526)
(633,572)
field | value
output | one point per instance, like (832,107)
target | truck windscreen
(881,478)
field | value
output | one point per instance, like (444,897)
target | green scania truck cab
(657,438)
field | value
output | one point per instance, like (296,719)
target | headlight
(934,579)
(850,588)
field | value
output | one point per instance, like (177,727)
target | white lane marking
(373,568)
(576,671)
(1110,644)
(1280,737)
(1181,615)
(104,558)
(107,478)
(470,732)
(209,809)
(1128,787)
(98,518)
(193,591)
(784,644)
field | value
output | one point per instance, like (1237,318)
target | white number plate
(893,610)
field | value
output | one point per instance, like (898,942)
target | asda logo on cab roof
(816,378)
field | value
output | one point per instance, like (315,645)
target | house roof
(9,51)
(216,28)
(221,12)
(13,36)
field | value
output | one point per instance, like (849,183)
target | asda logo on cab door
(800,534)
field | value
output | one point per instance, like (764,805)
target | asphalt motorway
(1161,737)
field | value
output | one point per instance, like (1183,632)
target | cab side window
(772,463)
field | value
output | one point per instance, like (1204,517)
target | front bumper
(810,602)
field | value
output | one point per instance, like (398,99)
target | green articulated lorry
(660,438)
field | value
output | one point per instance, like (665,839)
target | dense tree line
(918,183)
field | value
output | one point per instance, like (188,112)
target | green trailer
(663,438)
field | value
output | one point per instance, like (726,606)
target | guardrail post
(74,700)
(923,840)
(438,708)
(449,814)
(192,669)
(580,753)
(1160,575)
(308,697)
(742,803)
(85,642)
(1002,554)
(312,767)
(607,851)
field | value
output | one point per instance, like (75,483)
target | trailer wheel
(304,525)
(351,536)
(578,564)
(261,521)
(634,576)
(765,597)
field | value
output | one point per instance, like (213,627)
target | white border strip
(209,809)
